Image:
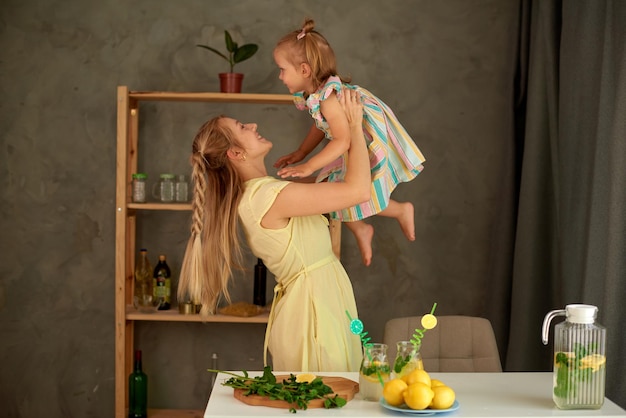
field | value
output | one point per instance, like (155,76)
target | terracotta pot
(231,82)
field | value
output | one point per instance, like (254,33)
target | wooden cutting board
(341,386)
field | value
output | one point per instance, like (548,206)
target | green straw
(356,327)
(419,333)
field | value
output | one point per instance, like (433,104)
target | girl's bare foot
(406,219)
(364,234)
(403,213)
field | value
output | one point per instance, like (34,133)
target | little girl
(308,69)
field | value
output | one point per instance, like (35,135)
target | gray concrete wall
(445,67)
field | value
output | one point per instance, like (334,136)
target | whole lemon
(417,375)
(418,396)
(434,383)
(393,390)
(443,397)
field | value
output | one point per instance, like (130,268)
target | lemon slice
(429,321)
(305,377)
(593,362)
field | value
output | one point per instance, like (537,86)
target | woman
(308,328)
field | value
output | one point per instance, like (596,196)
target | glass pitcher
(408,358)
(374,371)
(579,357)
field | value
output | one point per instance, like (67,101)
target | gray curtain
(570,241)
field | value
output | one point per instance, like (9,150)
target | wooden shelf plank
(159,206)
(175,413)
(133,314)
(212,97)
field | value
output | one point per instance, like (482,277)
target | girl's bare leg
(363,233)
(403,213)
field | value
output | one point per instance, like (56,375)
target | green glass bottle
(137,390)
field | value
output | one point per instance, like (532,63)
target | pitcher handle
(545,329)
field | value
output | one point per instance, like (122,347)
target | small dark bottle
(137,390)
(162,284)
(260,278)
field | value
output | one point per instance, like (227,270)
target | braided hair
(213,249)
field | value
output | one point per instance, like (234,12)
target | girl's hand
(299,171)
(294,157)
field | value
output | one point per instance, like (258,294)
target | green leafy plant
(295,393)
(236,53)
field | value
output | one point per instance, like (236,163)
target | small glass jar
(374,372)
(408,358)
(139,187)
(182,189)
(164,189)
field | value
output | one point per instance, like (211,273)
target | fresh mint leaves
(298,394)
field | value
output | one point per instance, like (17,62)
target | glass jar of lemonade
(374,371)
(407,359)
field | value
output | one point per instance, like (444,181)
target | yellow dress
(308,329)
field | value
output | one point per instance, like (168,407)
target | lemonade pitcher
(407,359)
(579,357)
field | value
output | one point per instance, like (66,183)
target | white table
(479,395)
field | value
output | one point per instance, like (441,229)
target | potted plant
(231,82)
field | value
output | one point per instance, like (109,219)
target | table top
(486,395)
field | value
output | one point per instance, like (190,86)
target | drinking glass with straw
(374,370)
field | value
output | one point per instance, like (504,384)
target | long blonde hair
(306,45)
(213,250)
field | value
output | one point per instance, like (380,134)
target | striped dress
(394,157)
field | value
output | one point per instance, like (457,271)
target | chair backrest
(456,344)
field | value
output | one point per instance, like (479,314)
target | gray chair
(456,344)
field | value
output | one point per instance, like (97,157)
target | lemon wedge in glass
(593,362)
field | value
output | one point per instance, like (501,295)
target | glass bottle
(144,296)
(182,189)
(139,187)
(408,358)
(137,390)
(162,284)
(374,371)
(260,280)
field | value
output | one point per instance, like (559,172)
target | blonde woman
(308,328)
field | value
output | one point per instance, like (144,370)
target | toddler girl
(308,68)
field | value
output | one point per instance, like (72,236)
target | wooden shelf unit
(125,229)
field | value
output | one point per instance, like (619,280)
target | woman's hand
(352,105)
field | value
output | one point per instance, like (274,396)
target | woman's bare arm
(300,199)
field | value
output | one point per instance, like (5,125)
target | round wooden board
(341,386)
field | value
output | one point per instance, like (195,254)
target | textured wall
(446,68)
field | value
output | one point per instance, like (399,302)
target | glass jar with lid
(139,187)
(164,189)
